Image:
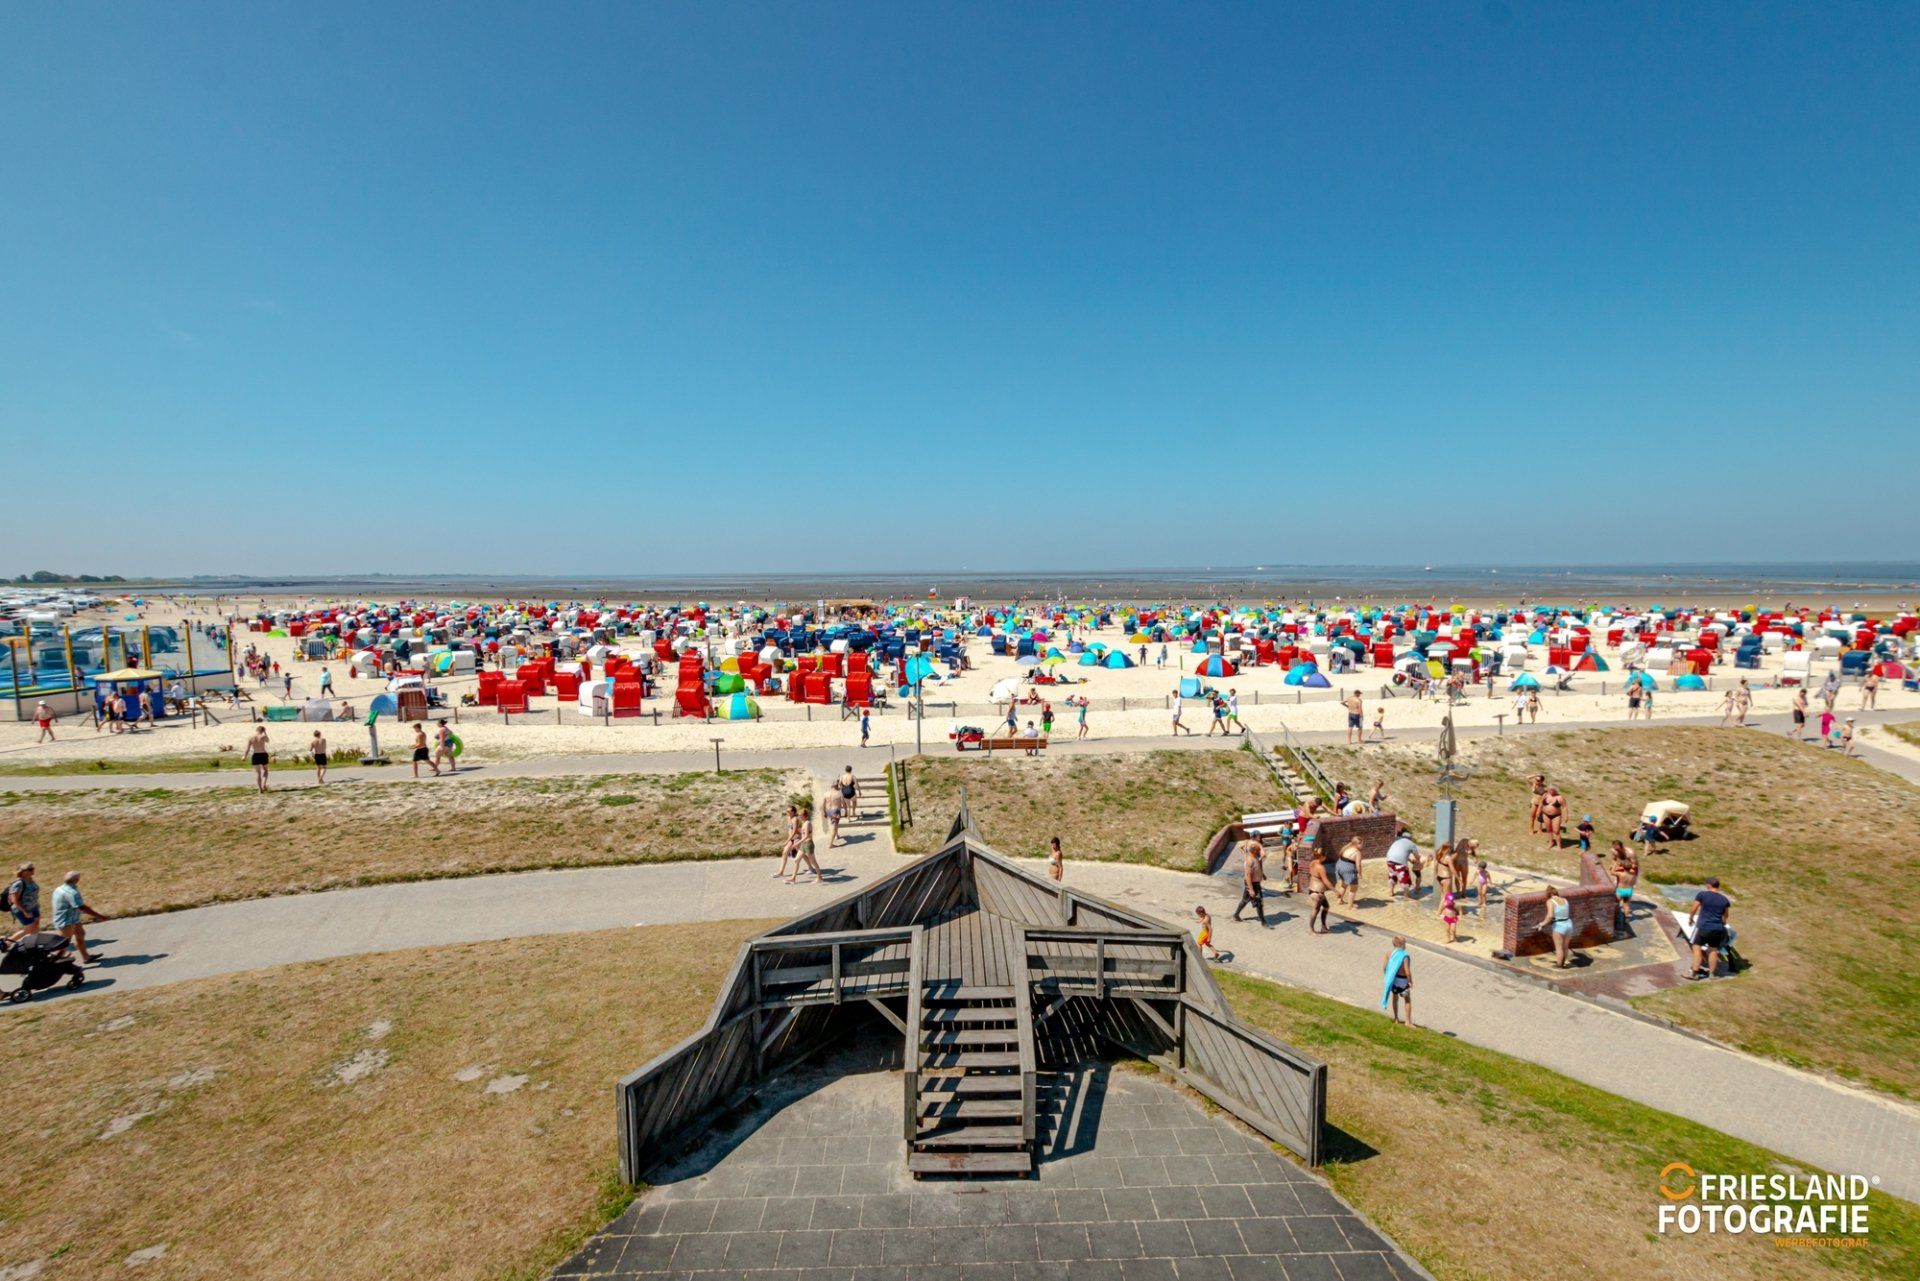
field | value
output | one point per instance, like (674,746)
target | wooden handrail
(910,1058)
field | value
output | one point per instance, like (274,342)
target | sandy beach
(1125,703)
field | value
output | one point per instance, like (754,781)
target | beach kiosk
(131,682)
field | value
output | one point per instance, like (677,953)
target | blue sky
(714,287)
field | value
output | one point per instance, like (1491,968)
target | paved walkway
(1795,1113)
(1134,1183)
(1792,1112)
(832,759)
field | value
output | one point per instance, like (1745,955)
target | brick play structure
(1595,909)
(1375,832)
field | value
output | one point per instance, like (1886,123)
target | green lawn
(156,848)
(1819,853)
(1480,1165)
(1138,807)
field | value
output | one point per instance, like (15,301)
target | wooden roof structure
(990,974)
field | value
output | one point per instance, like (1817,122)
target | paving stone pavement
(1139,1184)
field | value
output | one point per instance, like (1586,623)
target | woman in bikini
(1443,871)
(1538,784)
(1319,885)
(1553,811)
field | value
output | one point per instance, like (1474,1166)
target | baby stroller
(42,960)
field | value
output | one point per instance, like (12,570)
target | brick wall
(1594,908)
(1375,832)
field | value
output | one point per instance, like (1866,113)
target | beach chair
(511,698)
(626,698)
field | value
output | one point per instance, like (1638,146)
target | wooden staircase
(972,1088)
(871,809)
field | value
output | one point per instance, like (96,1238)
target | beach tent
(1298,673)
(382,705)
(1215,665)
(1116,659)
(1525,680)
(1689,681)
(1313,678)
(1189,687)
(1643,679)
(1090,659)
(739,706)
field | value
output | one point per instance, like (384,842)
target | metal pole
(716,754)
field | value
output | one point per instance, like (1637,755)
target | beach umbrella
(739,706)
(1004,691)
(1053,660)
(1027,660)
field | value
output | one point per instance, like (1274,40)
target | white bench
(1267,823)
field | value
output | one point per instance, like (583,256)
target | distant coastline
(1644,583)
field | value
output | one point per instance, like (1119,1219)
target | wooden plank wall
(682,1087)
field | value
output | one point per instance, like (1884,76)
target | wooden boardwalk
(970,948)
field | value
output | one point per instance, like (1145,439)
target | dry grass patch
(1818,853)
(1139,807)
(1483,1166)
(155,849)
(446,1113)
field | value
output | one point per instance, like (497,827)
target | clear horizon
(768,287)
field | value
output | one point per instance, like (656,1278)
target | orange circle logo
(1670,1192)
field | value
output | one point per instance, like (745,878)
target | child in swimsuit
(1206,933)
(1450,917)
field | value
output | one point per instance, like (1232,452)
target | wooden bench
(1031,746)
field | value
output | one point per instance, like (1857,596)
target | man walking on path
(257,756)
(43,717)
(1356,713)
(68,910)
(1397,981)
(1178,702)
(1799,728)
(1253,880)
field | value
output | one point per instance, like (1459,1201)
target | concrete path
(172,947)
(1792,1112)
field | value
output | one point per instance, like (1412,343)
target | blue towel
(1394,963)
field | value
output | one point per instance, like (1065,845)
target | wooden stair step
(960,1109)
(966,1061)
(965,1136)
(947,1087)
(969,1162)
(944,992)
(939,1037)
(968,1014)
